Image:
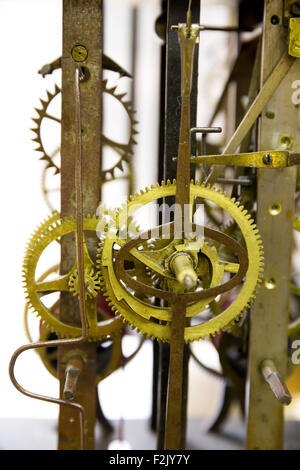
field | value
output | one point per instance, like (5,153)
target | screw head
(267,159)
(79,53)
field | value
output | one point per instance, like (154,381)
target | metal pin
(182,266)
(275,380)
(72,372)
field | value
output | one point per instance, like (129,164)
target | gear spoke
(143,314)
(141,256)
(60,284)
(124,150)
(53,118)
(53,229)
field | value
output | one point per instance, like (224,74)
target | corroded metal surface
(82,25)
(269,318)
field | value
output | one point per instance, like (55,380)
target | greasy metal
(294,37)
(264,159)
(73,369)
(269,316)
(276,382)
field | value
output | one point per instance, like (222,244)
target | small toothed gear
(124,151)
(110,358)
(91,281)
(51,230)
(155,321)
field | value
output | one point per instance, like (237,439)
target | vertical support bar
(82,25)
(276,189)
(176,13)
(174,423)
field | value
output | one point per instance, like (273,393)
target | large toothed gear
(52,230)
(155,321)
(110,354)
(123,150)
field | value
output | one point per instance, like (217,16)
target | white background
(30,37)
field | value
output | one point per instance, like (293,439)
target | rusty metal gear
(124,151)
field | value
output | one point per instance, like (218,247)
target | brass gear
(140,314)
(91,280)
(124,151)
(50,230)
(114,360)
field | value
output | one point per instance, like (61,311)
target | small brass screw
(79,53)
(267,159)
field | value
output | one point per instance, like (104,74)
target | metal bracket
(265,159)
(294,37)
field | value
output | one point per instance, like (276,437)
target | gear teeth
(46,232)
(258,260)
(125,151)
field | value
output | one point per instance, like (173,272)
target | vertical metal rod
(155,369)
(82,26)
(70,384)
(164,361)
(269,316)
(174,403)
(176,13)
